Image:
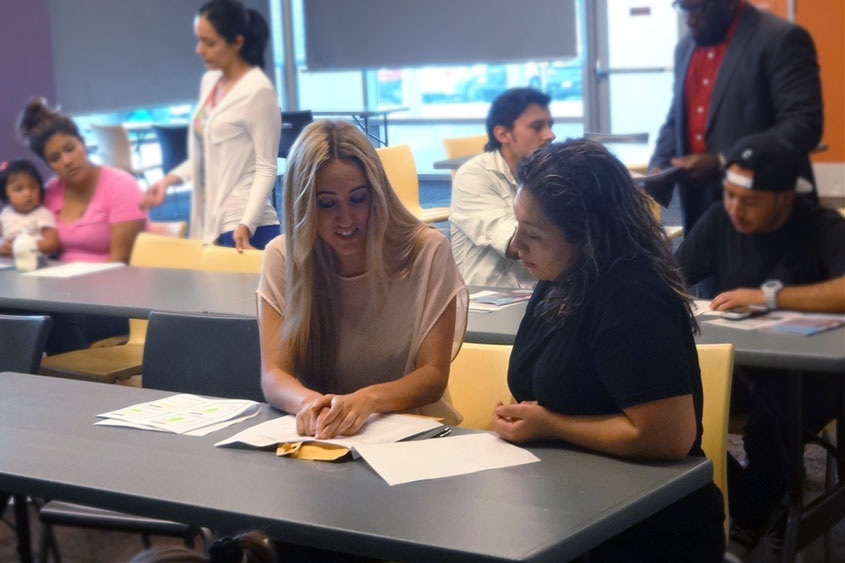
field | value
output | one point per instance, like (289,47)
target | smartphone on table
(739,313)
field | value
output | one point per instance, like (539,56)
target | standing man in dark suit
(739,71)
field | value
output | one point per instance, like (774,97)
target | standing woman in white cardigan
(234,133)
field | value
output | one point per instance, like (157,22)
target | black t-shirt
(808,248)
(630,342)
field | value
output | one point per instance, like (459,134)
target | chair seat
(432,214)
(107,365)
(69,514)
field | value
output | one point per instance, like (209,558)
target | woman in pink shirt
(96,207)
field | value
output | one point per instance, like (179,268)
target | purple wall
(26,67)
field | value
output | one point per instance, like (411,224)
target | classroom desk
(787,354)
(130,292)
(554,510)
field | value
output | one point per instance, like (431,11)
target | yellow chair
(716,362)
(464,146)
(227,259)
(398,162)
(111,363)
(169,228)
(478,379)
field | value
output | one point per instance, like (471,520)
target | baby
(22,190)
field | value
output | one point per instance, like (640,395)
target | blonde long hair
(311,291)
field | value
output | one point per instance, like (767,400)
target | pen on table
(445,432)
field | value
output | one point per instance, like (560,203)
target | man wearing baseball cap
(763,246)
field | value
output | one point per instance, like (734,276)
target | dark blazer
(768,81)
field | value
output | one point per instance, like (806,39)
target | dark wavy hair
(38,123)
(508,107)
(230,18)
(589,194)
(18,166)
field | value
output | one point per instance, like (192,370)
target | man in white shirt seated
(481,214)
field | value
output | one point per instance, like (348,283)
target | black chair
(22,340)
(173,140)
(203,354)
(296,122)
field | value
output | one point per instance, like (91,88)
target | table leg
(795,455)
(22,525)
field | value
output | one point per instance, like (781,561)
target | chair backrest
(297,121)
(161,251)
(113,146)
(478,379)
(716,362)
(204,354)
(169,228)
(226,259)
(22,340)
(173,141)
(398,162)
(463,146)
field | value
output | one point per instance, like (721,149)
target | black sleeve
(665,147)
(642,345)
(832,243)
(696,255)
(795,90)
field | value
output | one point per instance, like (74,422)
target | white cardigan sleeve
(264,125)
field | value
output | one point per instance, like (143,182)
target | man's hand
(738,298)
(701,167)
(521,422)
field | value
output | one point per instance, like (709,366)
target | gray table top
(131,292)
(451,163)
(824,352)
(548,511)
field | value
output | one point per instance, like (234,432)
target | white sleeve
(265,128)
(480,210)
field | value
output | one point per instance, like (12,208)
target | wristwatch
(722,160)
(771,288)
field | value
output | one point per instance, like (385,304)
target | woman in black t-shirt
(605,357)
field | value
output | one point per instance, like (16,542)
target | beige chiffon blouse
(380,335)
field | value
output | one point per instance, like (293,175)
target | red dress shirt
(698,86)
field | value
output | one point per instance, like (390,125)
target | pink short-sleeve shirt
(116,198)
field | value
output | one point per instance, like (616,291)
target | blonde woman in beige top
(361,306)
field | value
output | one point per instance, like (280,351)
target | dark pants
(756,490)
(259,239)
(691,530)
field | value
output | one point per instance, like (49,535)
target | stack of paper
(487,300)
(72,269)
(182,414)
(379,429)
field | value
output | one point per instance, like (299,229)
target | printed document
(379,429)
(182,414)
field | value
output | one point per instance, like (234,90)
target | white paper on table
(701,307)
(205,430)
(182,413)
(751,323)
(72,269)
(379,429)
(405,462)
